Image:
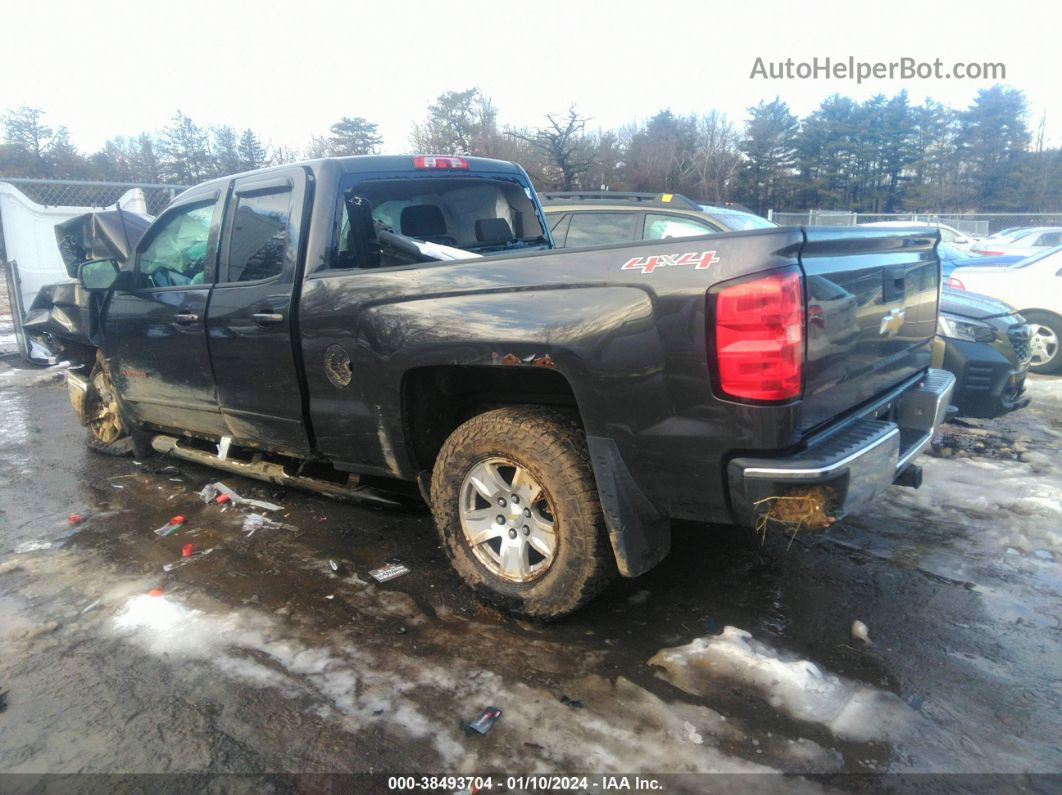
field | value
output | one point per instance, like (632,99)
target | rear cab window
(478,214)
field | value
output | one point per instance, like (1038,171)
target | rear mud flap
(640,535)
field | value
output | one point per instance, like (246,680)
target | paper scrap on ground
(389,572)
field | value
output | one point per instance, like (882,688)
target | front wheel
(107,432)
(517,511)
(1046,332)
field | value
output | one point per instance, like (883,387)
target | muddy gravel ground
(733,656)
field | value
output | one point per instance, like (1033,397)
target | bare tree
(459,123)
(563,143)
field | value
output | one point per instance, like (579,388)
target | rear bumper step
(855,464)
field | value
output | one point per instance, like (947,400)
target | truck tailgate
(872,314)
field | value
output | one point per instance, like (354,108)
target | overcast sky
(290,69)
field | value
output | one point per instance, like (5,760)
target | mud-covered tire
(1048,326)
(552,448)
(108,431)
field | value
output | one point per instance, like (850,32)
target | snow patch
(795,687)
(361,687)
(1013,504)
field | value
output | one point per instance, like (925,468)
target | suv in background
(987,346)
(597,218)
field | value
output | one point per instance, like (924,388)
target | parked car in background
(1006,232)
(948,234)
(1034,287)
(952,257)
(597,218)
(986,345)
(1024,242)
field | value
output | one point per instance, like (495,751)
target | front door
(155,335)
(250,318)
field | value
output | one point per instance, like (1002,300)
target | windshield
(736,221)
(1051,252)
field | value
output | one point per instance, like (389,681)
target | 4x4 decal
(699,261)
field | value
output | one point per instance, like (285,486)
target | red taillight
(954,283)
(438,161)
(759,338)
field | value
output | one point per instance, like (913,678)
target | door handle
(186,318)
(267,318)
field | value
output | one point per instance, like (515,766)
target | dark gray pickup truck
(348,323)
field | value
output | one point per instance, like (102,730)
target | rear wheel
(1046,332)
(516,507)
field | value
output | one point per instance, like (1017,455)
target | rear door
(250,321)
(872,314)
(154,335)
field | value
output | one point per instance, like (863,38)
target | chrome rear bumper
(857,463)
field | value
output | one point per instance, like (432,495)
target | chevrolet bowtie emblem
(891,322)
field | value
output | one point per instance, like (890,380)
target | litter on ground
(212,492)
(389,572)
(255,521)
(860,632)
(187,558)
(483,724)
(171,527)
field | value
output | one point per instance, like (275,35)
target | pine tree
(186,150)
(250,150)
(767,175)
(353,136)
(992,138)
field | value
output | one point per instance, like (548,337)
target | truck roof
(380,163)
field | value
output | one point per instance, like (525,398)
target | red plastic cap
(74,518)
(759,338)
(221,499)
(186,551)
(178,519)
(439,161)
(155,592)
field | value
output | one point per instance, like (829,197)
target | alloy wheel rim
(507,520)
(1043,344)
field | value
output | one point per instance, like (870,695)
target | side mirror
(98,274)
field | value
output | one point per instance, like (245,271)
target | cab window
(176,253)
(259,240)
(658,227)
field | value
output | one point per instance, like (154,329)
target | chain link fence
(75,193)
(980,224)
